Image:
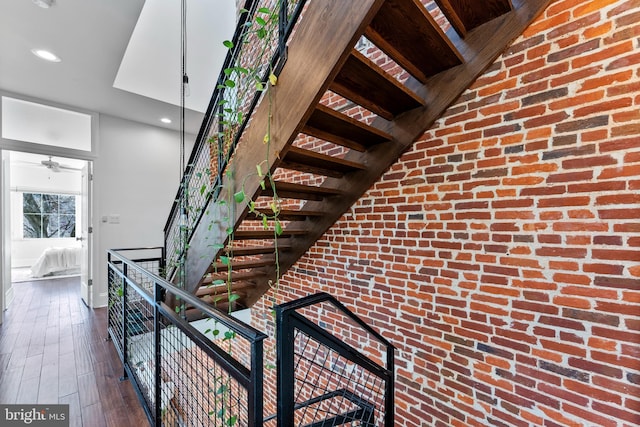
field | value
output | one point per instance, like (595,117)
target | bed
(56,261)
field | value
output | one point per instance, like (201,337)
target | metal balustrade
(333,369)
(207,372)
(228,114)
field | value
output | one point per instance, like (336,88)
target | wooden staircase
(322,57)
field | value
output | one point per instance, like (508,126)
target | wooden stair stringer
(341,24)
(480,49)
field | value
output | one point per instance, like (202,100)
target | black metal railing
(333,369)
(188,373)
(227,115)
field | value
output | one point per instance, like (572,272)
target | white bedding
(56,260)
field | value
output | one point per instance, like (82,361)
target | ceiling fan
(54,166)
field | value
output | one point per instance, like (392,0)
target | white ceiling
(91,37)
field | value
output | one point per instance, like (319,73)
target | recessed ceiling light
(46,55)
(165,120)
(45,4)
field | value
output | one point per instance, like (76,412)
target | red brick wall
(501,255)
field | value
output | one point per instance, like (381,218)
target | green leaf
(222,389)
(260,21)
(234,297)
(228,44)
(232,420)
(278,228)
(225,260)
(264,10)
(259,169)
(218,282)
(229,83)
(261,33)
(260,87)
(265,224)
(239,196)
(203,189)
(263,185)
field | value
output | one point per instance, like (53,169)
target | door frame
(45,150)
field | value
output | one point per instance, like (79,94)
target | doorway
(49,218)
(49,144)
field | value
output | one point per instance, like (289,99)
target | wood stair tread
(259,250)
(402,25)
(265,234)
(316,163)
(222,298)
(235,277)
(223,289)
(291,190)
(364,83)
(465,15)
(330,125)
(243,265)
(285,215)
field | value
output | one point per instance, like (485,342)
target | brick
(617,282)
(577,125)
(602,54)
(566,152)
(590,316)
(597,368)
(592,417)
(576,50)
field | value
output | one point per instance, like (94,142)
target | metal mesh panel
(115,309)
(139,276)
(172,244)
(334,370)
(332,389)
(203,393)
(140,350)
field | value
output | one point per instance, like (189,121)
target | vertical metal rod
(389,409)
(256,405)
(157,297)
(285,367)
(282,26)
(125,323)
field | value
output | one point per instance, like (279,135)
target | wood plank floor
(53,350)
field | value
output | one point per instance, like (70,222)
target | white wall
(136,176)
(6,291)
(30,178)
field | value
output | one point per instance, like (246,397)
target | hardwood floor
(53,350)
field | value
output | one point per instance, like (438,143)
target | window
(48,215)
